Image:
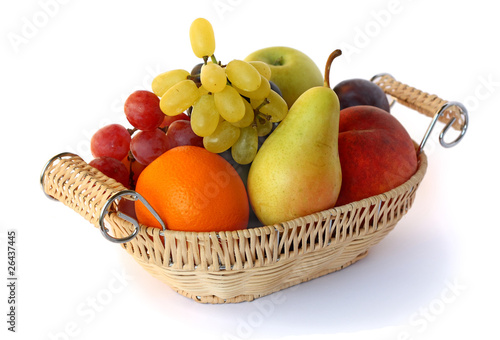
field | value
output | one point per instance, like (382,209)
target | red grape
(142,109)
(135,168)
(180,133)
(170,119)
(146,146)
(112,168)
(110,141)
(127,207)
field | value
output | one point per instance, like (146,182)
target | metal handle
(436,117)
(134,196)
(70,180)
(452,113)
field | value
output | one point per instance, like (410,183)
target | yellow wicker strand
(425,103)
(241,265)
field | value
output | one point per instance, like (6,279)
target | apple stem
(278,61)
(329,62)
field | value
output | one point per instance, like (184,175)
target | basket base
(212,299)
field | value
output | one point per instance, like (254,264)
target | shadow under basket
(229,267)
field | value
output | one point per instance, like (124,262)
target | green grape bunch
(230,105)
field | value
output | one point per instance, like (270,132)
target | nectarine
(376,153)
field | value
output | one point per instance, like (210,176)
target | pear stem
(329,62)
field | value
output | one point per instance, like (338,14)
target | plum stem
(329,62)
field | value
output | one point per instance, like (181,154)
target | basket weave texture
(240,265)
(420,101)
(224,267)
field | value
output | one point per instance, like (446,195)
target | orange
(193,189)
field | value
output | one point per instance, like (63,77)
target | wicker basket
(226,267)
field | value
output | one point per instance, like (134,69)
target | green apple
(291,70)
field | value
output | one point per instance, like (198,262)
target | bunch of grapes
(223,108)
(230,106)
(122,153)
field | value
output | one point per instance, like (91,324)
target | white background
(66,68)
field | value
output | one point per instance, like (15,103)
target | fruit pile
(264,137)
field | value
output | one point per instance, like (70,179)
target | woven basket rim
(365,202)
(241,265)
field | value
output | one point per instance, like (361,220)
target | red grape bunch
(122,153)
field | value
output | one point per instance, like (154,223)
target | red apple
(376,153)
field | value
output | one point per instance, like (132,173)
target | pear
(297,170)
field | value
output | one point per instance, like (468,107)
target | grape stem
(264,116)
(131,160)
(328,66)
(264,102)
(132,131)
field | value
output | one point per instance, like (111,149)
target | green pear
(291,70)
(297,170)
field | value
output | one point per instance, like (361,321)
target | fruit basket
(236,266)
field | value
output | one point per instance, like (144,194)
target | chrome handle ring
(133,195)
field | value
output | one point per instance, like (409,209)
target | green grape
(274,106)
(230,104)
(243,75)
(203,91)
(201,35)
(245,148)
(247,118)
(224,136)
(204,117)
(262,67)
(261,93)
(164,81)
(213,77)
(179,97)
(264,126)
